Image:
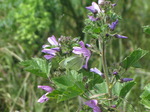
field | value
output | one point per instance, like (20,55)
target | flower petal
(46,88)
(95,70)
(52,40)
(44,46)
(126,79)
(94,8)
(48,57)
(92,18)
(93,105)
(49,51)
(113,25)
(43,99)
(120,36)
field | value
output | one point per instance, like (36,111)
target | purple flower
(113,106)
(92,18)
(51,52)
(95,70)
(52,40)
(93,105)
(126,80)
(94,8)
(48,89)
(83,50)
(112,26)
(119,36)
(115,73)
(101,1)
(113,5)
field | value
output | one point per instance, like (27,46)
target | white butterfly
(101,1)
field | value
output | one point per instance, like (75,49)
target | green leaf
(73,62)
(37,66)
(146,29)
(67,80)
(133,58)
(95,79)
(71,92)
(146,96)
(126,89)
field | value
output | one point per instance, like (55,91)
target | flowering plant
(70,73)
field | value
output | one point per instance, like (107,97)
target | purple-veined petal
(115,73)
(87,45)
(46,88)
(95,70)
(120,36)
(49,51)
(92,18)
(94,8)
(113,4)
(56,48)
(113,106)
(44,46)
(101,1)
(82,50)
(93,105)
(97,109)
(77,50)
(126,79)
(113,25)
(86,63)
(52,40)
(82,44)
(48,57)
(43,99)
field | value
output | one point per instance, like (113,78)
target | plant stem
(106,70)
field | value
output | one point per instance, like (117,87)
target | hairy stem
(106,70)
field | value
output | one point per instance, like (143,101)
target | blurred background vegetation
(24,28)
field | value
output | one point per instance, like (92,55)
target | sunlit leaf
(133,58)
(126,89)
(146,96)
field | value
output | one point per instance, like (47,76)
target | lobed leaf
(37,66)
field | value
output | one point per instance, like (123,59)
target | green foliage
(133,58)
(68,86)
(33,20)
(73,62)
(146,29)
(145,96)
(37,66)
(126,89)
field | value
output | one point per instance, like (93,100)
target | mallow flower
(93,104)
(48,89)
(126,80)
(94,8)
(92,18)
(119,36)
(51,53)
(84,51)
(95,70)
(112,26)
